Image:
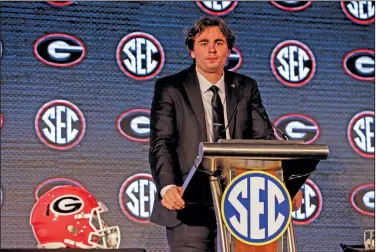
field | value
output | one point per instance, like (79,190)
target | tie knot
(214,89)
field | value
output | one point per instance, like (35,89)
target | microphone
(237,87)
(232,113)
(271,123)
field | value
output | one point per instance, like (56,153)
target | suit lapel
(192,87)
(231,100)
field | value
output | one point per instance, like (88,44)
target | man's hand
(172,198)
(297,201)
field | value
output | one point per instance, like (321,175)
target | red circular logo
(140,56)
(60,125)
(136,197)
(361,134)
(293,63)
(217,8)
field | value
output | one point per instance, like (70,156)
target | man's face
(210,50)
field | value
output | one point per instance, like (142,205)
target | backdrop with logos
(77,80)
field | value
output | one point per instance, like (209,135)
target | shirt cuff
(164,189)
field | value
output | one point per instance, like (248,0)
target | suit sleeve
(261,129)
(163,138)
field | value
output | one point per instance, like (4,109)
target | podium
(291,161)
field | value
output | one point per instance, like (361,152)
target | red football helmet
(70,217)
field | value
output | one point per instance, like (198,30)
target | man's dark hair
(204,23)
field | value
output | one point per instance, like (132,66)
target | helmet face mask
(70,217)
(104,237)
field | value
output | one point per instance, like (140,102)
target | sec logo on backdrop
(361,134)
(217,8)
(140,56)
(360,12)
(298,127)
(293,63)
(292,5)
(360,64)
(135,125)
(59,50)
(311,204)
(256,208)
(136,197)
(60,125)
(362,199)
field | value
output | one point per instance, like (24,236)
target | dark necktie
(218,116)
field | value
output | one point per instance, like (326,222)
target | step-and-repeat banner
(77,81)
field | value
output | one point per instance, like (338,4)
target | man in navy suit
(197,105)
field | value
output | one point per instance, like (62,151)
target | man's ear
(192,53)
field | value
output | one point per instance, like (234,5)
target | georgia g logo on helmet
(67,205)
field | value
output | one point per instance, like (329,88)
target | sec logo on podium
(256,208)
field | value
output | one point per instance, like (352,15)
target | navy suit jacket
(177,125)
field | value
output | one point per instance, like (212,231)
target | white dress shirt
(206,96)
